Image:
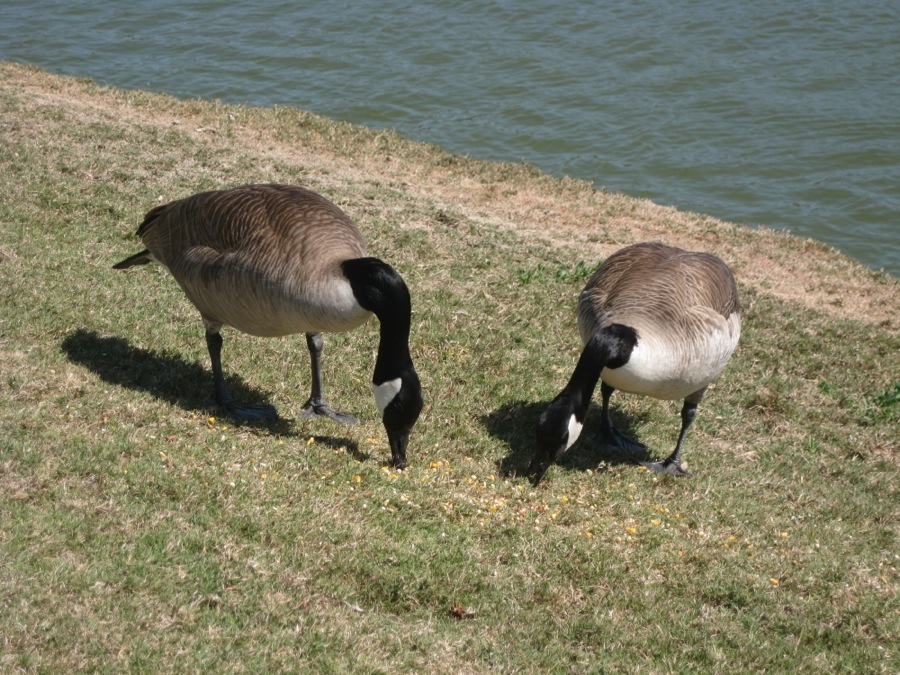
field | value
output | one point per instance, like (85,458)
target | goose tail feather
(141,258)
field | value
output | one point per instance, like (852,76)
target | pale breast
(671,369)
(272,305)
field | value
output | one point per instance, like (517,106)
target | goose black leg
(672,464)
(316,405)
(237,410)
(609,435)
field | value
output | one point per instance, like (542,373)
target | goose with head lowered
(273,260)
(654,320)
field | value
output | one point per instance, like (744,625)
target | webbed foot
(247,413)
(322,409)
(667,467)
(616,439)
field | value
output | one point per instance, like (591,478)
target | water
(773,113)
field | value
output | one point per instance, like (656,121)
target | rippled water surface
(774,113)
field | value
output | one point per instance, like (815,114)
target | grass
(139,531)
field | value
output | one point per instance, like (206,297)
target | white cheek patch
(575,428)
(385,392)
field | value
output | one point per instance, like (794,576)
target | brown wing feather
(654,284)
(254,220)
(262,258)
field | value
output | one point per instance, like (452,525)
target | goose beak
(537,469)
(398,440)
(543,460)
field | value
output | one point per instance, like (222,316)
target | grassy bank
(139,531)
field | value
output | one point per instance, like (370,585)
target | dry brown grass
(797,270)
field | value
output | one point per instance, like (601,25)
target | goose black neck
(381,290)
(611,347)
(581,385)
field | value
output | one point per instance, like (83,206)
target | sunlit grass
(142,530)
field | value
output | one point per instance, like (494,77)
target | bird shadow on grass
(515,423)
(170,377)
(337,444)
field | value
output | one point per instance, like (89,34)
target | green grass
(139,531)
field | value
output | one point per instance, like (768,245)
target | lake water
(785,114)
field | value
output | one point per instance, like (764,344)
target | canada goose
(273,260)
(654,320)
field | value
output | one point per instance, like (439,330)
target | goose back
(684,307)
(264,259)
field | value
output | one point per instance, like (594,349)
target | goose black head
(381,290)
(561,423)
(558,429)
(400,402)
